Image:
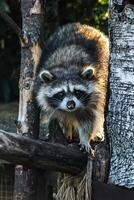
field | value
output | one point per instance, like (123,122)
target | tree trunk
(28,117)
(120,118)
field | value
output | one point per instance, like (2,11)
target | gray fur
(67,57)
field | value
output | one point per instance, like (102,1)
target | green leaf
(103,2)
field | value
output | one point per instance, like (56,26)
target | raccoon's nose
(71,105)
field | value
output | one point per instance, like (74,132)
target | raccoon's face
(65,90)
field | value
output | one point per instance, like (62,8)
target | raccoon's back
(75,44)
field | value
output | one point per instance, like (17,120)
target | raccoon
(72,81)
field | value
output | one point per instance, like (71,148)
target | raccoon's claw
(99,137)
(87,147)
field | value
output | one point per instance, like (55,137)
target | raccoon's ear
(87,73)
(46,76)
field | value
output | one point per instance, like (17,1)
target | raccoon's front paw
(85,145)
(98,137)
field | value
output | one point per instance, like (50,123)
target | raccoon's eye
(59,95)
(79,93)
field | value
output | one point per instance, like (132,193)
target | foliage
(101,15)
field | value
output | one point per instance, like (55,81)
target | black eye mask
(82,96)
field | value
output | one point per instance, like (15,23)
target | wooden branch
(13,25)
(36,153)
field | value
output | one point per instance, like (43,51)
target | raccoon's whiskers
(55,99)
(84,97)
(51,103)
(53,113)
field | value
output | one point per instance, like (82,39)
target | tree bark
(120,118)
(28,117)
(40,154)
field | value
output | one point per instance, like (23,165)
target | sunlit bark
(120,118)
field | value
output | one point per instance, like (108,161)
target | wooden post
(28,117)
